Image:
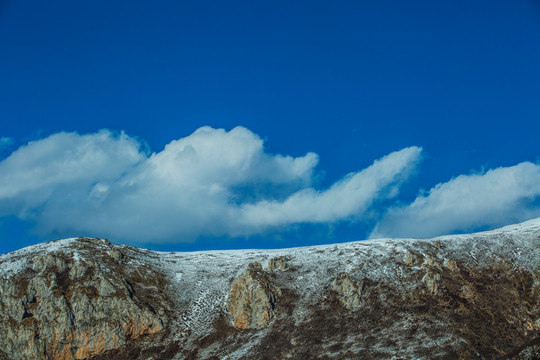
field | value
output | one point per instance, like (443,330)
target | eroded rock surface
(349,290)
(69,305)
(252,299)
(412,258)
(277,263)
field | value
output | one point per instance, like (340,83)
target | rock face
(252,299)
(412,258)
(70,306)
(277,263)
(472,296)
(349,291)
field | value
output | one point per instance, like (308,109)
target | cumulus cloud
(61,166)
(212,182)
(490,199)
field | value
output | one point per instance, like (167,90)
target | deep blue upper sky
(349,80)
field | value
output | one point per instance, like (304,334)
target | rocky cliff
(474,296)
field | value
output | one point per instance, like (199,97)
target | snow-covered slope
(459,296)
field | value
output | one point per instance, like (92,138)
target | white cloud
(212,182)
(351,196)
(468,202)
(60,166)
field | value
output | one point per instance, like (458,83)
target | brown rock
(66,307)
(252,299)
(412,258)
(431,261)
(277,263)
(451,265)
(349,291)
(432,281)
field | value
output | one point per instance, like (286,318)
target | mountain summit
(473,296)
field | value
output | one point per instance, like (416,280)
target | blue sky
(366,118)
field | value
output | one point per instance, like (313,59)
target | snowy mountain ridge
(457,296)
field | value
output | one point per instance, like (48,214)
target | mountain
(474,296)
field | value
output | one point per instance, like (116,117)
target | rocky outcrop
(412,258)
(69,305)
(252,299)
(277,263)
(348,290)
(432,281)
